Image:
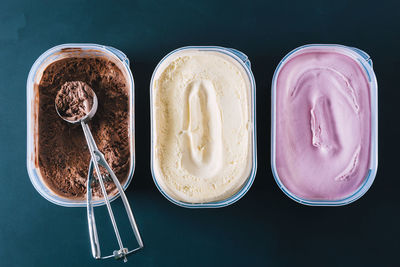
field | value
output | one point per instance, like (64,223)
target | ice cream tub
(324,124)
(203,127)
(113,71)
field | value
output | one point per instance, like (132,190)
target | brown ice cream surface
(74,100)
(63,153)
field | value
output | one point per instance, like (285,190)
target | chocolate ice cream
(63,154)
(74,100)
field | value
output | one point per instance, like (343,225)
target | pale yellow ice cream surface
(201,126)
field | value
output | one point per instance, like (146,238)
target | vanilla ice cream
(202,145)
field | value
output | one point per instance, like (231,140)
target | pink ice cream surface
(323,124)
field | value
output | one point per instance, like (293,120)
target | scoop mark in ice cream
(202,133)
(74,100)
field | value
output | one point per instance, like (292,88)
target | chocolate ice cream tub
(107,71)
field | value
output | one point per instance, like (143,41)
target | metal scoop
(97,158)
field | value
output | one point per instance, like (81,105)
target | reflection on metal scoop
(78,97)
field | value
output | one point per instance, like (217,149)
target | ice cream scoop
(75,103)
(76,100)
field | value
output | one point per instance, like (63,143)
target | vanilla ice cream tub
(203,148)
(324,124)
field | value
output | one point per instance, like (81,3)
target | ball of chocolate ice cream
(74,100)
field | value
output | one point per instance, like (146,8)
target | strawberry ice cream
(323,123)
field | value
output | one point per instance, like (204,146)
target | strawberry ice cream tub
(324,124)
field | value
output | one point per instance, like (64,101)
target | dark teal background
(265,228)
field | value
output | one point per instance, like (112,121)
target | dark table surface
(263,228)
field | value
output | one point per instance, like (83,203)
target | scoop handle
(124,200)
(94,239)
(97,158)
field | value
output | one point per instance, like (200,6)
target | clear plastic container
(243,60)
(366,64)
(34,77)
